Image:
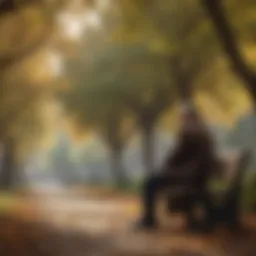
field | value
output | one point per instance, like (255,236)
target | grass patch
(8,201)
(249,194)
(131,188)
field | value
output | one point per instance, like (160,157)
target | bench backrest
(242,167)
(234,168)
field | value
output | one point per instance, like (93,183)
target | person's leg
(151,188)
(230,210)
(210,209)
(205,202)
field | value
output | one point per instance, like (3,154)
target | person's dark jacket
(193,157)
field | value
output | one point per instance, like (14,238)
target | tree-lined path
(100,223)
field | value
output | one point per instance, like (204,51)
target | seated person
(190,164)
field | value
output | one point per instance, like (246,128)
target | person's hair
(190,109)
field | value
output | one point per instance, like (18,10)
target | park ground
(100,222)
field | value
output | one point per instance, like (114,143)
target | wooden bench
(225,202)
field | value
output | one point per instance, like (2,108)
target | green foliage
(133,187)
(185,29)
(242,16)
(250,193)
(118,80)
(7,202)
(24,31)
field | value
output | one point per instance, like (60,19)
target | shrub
(250,193)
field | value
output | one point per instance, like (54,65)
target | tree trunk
(148,149)
(116,167)
(183,78)
(224,31)
(8,172)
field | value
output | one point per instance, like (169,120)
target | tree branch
(228,40)
(9,61)
(180,76)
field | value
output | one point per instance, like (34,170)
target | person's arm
(197,162)
(187,169)
(176,156)
(173,158)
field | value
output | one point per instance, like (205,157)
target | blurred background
(89,97)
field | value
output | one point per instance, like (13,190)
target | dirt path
(90,224)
